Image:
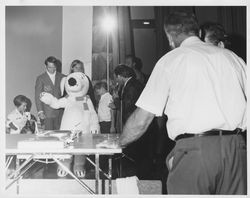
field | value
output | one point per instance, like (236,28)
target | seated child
(105,113)
(19,120)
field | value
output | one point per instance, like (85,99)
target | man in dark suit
(49,82)
(138,152)
(130,89)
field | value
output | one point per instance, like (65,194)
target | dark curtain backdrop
(233,18)
(120,42)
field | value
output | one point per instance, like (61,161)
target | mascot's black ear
(72,81)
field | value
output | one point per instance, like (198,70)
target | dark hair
(18,100)
(29,104)
(136,60)
(181,22)
(214,32)
(74,63)
(124,71)
(100,85)
(50,59)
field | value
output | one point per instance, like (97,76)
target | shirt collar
(51,75)
(127,81)
(190,40)
(18,112)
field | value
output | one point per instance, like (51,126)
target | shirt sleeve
(155,94)
(10,118)
(10,122)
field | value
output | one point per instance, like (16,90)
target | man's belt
(209,133)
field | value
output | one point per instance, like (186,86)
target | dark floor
(121,167)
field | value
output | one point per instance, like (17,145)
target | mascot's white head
(76,84)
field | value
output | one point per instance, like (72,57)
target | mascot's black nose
(72,81)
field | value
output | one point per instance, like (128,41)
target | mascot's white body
(79,112)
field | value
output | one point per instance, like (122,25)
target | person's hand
(112,129)
(7,130)
(115,94)
(112,105)
(41,115)
(46,98)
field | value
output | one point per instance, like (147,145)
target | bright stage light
(108,24)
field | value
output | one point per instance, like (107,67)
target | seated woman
(20,120)
(17,119)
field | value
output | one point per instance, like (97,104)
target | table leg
(17,172)
(120,167)
(110,174)
(8,162)
(72,175)
(97,173)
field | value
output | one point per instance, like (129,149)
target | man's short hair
(18,100)
(214,32)
(124,71)
(101,84)
(181,22)
(50,59)
(136,60)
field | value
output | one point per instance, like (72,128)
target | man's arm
(135,126)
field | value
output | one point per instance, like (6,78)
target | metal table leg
(72,175)
(110,174)
(17,172)
(97,176)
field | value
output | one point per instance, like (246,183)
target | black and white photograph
(124,98)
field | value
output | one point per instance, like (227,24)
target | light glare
(108,23)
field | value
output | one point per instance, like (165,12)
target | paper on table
(107,144)
(41,142)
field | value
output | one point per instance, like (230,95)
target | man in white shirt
(49,82)
(202,90)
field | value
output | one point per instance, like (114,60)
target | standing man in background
(139,151)
(49,82)
(215,34)
(202,90)
(136,64)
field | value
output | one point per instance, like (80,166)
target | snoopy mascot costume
(79,114)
